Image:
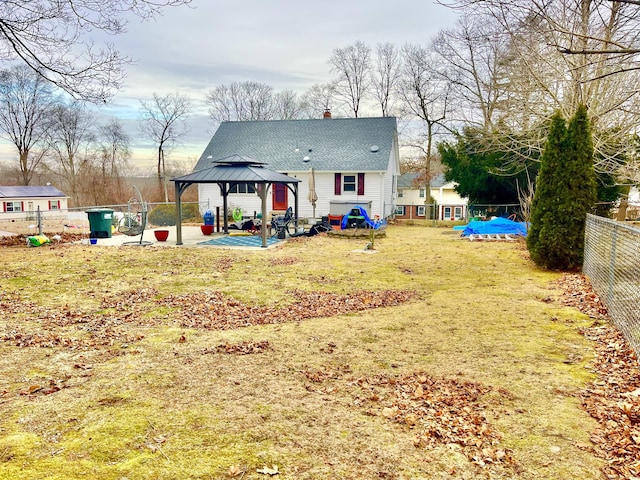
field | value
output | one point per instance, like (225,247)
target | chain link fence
(612,263)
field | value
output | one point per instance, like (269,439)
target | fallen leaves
(577,292)
(242,348)
(52,386)
(201,310)
(21,240)
(215,311)
(449,412)
(613,399)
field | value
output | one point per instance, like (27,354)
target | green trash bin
(100,220)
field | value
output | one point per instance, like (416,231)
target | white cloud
(283,43)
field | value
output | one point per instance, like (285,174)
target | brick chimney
(327,113)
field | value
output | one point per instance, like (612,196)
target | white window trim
(353,184)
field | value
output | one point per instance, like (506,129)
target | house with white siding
(22,202)
(355,161)
(412,198)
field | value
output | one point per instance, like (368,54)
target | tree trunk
(624,203)
(24,167)
(160,170)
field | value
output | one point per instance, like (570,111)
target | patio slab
(192,236)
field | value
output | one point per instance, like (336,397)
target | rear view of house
(355,161)
(412,199)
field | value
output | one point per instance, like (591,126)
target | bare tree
(25,103)
(163,120)
(474,55)
(286,105)
(385,75)
(318,99)
(352,65)
(53,38)
(112,158)
(425,96)
(71,139)
(241,101)
(245,101)
(570,52)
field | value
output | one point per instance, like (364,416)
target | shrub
(165,215)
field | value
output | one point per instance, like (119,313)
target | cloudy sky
(283,43)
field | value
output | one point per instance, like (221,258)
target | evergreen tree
(565,193)
(472,162)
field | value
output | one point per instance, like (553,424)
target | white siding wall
(376,187)
(388,192)
(411,196)
(30,205)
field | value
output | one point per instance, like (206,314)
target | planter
(161,235)
(206,229)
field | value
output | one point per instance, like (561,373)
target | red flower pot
(161,235)
(206,229)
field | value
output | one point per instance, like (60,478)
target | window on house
(420,211)
(446,215)
(243,188)
(349,183)
(400,193)
(457,213)
(54,205)
(400,210)
(13,206)
(422,191)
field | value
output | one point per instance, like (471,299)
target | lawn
(430,357)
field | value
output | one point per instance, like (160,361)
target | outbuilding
(23,202)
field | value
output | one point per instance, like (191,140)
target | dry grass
(100,378)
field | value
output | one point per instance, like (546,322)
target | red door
(279,196)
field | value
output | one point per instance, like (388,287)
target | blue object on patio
(239,241)
(359,214)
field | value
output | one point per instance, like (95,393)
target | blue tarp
(499,226)
(363,213)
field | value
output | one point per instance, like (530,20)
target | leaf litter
(613,399)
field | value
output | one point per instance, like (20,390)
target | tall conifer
(565,192)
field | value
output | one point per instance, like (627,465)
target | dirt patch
(56,239)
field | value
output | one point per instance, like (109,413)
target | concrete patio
(192,236)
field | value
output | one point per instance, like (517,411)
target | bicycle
(283,224)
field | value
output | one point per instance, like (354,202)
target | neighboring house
(412,198)
(355,162)
(22,202)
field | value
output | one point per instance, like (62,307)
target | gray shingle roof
(30,191)
(337,144)
(438,181)
(408,180)
(236,168)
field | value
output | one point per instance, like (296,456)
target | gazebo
(229,172)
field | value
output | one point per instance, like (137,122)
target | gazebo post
(178,214)
(225,225)
(263,198)
(295,196)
